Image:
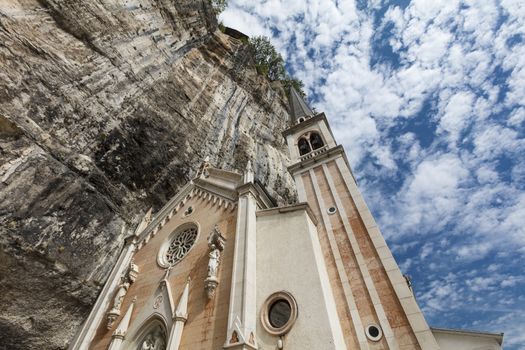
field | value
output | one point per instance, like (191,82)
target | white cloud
(473,251)
(245,22)
(457,112)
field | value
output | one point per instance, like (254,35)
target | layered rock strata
(108,107)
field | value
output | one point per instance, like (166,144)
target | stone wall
(107,107)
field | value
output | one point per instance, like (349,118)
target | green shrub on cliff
(270,63)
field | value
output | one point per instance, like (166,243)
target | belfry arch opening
(304,146)
(316,141)
(309,142)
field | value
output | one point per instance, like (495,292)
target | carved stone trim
(210,285)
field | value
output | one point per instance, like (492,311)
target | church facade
(220,266)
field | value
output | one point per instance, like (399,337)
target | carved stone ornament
(155,340)
(157,302)
(203,169)
(216,243)
(235,338)
(133,271)
(125,281)
(216,238)
(112,317)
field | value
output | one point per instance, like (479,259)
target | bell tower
(375,305)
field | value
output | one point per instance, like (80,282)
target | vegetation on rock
(270,63)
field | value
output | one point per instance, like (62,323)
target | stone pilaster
(242,316)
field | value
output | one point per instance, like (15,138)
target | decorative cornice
(310,121)
(213,189)
(248,187)
(224,196)
(256,190)
(316,160)
(296,207)
(174,205)
(497,336)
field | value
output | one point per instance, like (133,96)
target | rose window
(181,245)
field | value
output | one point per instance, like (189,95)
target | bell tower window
(304,146)
(316,141)
(309,142)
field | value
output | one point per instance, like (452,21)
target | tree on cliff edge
(270,63)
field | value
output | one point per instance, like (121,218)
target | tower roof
(298,108)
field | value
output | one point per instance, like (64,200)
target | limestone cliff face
(107,107)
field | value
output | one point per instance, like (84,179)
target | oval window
(279,313)
(373,332)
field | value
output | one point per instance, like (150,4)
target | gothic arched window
(304,146)
(153,337)
(316,141)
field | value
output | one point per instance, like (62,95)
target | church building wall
(289,258)
(396,317)
(346,276)
(355,261)
(206,325)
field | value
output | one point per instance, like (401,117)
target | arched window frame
(320,139)
(308,137)
(303,141)
(147,327)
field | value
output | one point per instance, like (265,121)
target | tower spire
(298,108)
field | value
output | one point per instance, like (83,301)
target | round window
(279,313)
(180,243)
(332,210)
(373,332)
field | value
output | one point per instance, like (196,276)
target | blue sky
(428,99)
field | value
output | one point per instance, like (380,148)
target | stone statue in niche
(121,293)
(213,264)
(154,340)
(216,243)
(125,282)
